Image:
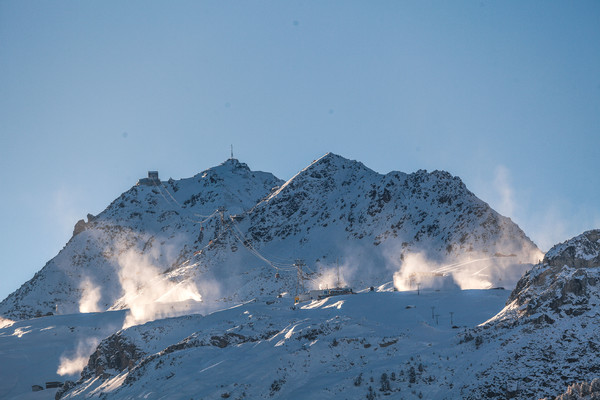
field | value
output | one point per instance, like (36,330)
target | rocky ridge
(225,233)
(155,228)
(546,336)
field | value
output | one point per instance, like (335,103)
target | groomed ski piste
(388,342)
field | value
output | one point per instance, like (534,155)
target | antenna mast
(231,152)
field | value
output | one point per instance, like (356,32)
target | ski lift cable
(455,266)
(310,271)
(249,246)
(227,227)
(161,193)
(281,260)
(245,243)
(243,236)
(162,187)
(167,190)
(210,243)
(257,254)
(206,219)
(253,250)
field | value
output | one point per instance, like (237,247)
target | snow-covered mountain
(230,234)
(433,344)
(353,346)
(145,231)
(544,343)
(546,337)
(378,224)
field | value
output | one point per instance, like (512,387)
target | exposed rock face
(546,337)
(68,385)
(79,227)
(424,210)
(565,280)
(113,355)
(582,251)
(582,391)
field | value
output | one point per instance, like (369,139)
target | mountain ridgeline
(230,234)
(543,344)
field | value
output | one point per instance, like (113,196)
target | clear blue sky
(93,94)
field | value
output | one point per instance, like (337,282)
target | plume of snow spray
(147,293)
(417,271)
(90,296)
(75,361)
(474,271)
(504,190)
(333,276)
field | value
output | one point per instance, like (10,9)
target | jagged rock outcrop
(546,336)
(113,355)
(565,281)
(422,210)
(582,251)
(582,391)
(79,227)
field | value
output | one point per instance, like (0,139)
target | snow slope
(32,351)
(221,237)
(144,232)
(338,208)
(434,344)
(340,346)
(546,338)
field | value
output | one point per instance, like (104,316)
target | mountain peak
(330,163)
(329,167)
(234,163)
(228,168)
(333,207)
(332,158)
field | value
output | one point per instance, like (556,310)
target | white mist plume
(332,276)
(90,296)
(505,191)
(478,271)
(74,363)
(418,272)
(147,293)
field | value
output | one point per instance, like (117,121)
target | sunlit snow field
(329,342)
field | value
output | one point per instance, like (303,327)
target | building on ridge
(151,180)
